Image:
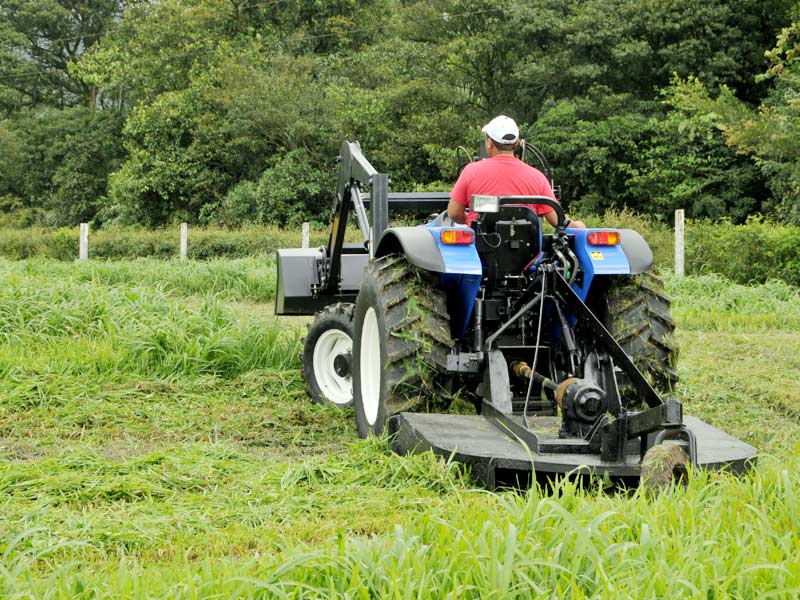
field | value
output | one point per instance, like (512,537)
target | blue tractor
(562,341)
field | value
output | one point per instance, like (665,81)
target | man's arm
(552,218)
(459,196)
(457,212)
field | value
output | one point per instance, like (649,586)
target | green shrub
(63,243)
(22,243)
(754,252)
(128,242)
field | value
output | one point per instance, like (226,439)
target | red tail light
(457,237)
(603,238)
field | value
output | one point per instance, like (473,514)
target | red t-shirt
(502,175)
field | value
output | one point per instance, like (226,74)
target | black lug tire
(414,338)
(339,317)
(637,313)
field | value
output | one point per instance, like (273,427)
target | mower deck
(482,444)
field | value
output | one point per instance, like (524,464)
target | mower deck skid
(496,456)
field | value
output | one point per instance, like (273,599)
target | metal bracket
(665,418)
(464,362)
(497,388)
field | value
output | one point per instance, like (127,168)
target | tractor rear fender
(637,251)
(459,267)
(631,257)
(423,248)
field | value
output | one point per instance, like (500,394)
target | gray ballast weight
(298,278)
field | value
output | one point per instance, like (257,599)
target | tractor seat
(486,223)
(507,240)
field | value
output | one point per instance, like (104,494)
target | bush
(127,242)
(754,252)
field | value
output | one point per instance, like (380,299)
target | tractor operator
(502,174)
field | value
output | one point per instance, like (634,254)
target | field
(156,441)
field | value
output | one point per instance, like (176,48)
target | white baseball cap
(502,129)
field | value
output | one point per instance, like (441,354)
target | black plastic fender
(416,243)
(636,250)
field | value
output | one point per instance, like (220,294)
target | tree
(39,40)
(187,148)
(594,144)
(590,83)
(60,161)
(769,134)
(687,164)
(155,47)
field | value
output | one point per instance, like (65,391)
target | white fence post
(184,241)
(83,248)
(306,235)
(679,237)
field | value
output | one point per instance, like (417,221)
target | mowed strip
(747,384)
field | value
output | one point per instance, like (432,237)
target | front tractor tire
(637,314)
(400,345)
(327,356)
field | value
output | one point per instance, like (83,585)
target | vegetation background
(155,437)
(232,111)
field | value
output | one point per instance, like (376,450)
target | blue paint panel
(461,280)
(461,292)
(462,260)
(597,260)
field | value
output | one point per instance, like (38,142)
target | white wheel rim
(333,386)
(370,366)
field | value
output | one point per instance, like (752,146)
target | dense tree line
(232,111)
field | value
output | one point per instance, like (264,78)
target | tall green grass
(156,441)
(721,537)
(128,327)
(208,340)
(714,303)
(251,278)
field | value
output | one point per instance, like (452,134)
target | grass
(713,303)
(155,441)
(233,279)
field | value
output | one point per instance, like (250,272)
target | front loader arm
(355,172)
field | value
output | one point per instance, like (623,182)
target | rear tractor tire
(400,345)
(637,314)
(327,356)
